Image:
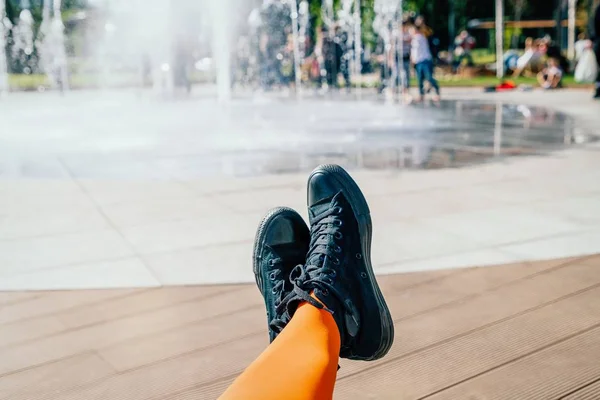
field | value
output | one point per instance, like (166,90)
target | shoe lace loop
(280,320)
(317,272)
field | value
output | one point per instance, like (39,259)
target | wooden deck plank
(136,303)
(49,379)
(460,318)
(448,288)
(392,283)
(211,391)
(408,301)
(138,352)
(112,332)
(29,329)
(587,392)
(453,329)
(53,302)
(173,375)
(549,374)
(458,360)
(7,298)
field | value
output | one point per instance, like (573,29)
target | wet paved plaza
(120,190)
(122,135)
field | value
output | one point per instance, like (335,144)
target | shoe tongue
(322,205)
(288,251)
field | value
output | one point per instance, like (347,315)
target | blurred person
(317,68)
(595,36)
(463,44)
(511,59)
(421,57)
(581,44)
(332,57)
(182,61)
(383,59)
(531,58)
(241,62)
(425,30)
(551,76)
(321,296)
(345,45)
(432,40)
(286,65)
(553,51)
(587,64)
(275,24)
(403,60)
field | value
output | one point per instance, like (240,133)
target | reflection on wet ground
(122,136)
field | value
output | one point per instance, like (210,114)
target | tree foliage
(435,12)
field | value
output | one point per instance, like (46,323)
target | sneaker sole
(363,216)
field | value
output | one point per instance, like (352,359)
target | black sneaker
(597,94)
(281,243)
(338,267)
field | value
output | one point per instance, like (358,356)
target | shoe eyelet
(338,210)
(358,256)
(363,275)
(336,261)
(325,292)
(338,222)
(333,273)
(273,291)
(271,263)
(338,235)
(338,249)
(272,276)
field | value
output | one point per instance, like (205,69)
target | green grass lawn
(484,81)
(483,56)
(79,81)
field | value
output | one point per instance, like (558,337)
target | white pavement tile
(232,184)
(216,264)
(577,182)
(31,196)
(22,255)
(429,203)
(109,192)
(158,209)
(584,209)
(262,200)
(402,182)
(582,243)
(31,224)
(32,187)
(124,273)
(114,167)
(42,167)
(401,241)
(179,235)
(505,225)
(484,257)
(521,191)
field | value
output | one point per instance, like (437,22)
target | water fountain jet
(51,45)
(5,26)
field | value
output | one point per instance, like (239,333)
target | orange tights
(301,364)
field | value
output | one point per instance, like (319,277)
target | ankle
(308,311)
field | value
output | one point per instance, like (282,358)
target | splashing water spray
(5,27)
